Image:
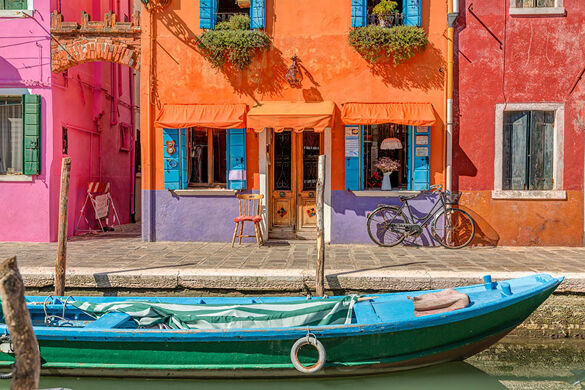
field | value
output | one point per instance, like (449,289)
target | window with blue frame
(371,150)
(406,12)
(212,12)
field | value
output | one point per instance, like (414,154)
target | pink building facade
(86,112)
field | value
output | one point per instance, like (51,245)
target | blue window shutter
(207,14)
(420,166)
(236,155)
(359,11)
(412,12)
(353,167)
(257,14)
(175,158)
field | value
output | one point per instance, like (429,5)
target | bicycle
(452,227)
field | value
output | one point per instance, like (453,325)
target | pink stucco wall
(74,100)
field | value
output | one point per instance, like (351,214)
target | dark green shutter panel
(31,123)
(14,4)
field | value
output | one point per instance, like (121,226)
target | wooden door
(293,177)
(308,150)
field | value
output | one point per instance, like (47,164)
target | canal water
(511,364)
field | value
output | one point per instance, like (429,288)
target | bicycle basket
(452,198)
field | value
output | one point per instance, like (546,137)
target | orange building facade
(208,134)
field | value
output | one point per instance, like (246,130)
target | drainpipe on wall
(453,14)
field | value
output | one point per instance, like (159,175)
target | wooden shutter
(236,156)
(14,4)
(31,123)
(353,159)
(419,157)
(541,151)
(359,13)
(207,14)
(257,14)
(411,12)
(175,158)
(514,161)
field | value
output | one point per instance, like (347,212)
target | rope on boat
(309,339)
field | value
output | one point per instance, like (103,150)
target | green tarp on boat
(316,312)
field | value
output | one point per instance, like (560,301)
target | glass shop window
(207,157)
(11,135)
(385,148)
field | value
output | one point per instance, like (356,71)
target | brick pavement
(123,253)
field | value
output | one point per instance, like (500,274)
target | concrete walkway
(121,260)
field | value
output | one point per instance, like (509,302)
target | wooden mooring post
(62,245)
(21,340)
(320,278)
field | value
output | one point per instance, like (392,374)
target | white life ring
(309,339)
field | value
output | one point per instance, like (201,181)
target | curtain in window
(10,137)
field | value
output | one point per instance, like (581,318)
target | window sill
(21,178)
(16,13)
(552,195)
(206,192)
(550,11)
(384,194)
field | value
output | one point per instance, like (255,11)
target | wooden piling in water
(27,360)
(320,278)
(62,245)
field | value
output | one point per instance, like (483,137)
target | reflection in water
(450,376)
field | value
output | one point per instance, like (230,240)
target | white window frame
(557,10)
(557,191)
(17,13)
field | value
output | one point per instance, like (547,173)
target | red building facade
(518,142)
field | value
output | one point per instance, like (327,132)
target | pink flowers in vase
(386,164)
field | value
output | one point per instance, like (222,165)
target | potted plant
(387,166)
(384,9)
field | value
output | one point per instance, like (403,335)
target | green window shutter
(31,124)
(236,156)
(353,157)
(14,4)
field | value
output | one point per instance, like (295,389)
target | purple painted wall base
(191,218)
(350,213)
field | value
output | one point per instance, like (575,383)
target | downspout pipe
(452,15)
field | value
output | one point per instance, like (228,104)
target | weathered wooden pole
(320,289)
(62,245)
(27,361)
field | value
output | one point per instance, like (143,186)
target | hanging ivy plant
(233,42)
(399,43)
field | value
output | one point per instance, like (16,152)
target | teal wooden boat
(270,336)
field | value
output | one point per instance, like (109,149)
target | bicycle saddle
(407,197)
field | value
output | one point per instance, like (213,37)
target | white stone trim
(18,13)
(20,178)
(557,10)
(553,194)
(383,194)
(558,157)
(206,192)
(327,206)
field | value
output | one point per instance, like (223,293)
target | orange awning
(219,116)
(411,114)
(296,116)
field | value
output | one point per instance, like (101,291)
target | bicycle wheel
(380,222)
(453,228)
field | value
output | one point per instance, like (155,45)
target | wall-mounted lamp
(294,75)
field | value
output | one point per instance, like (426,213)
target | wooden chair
(250,206)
